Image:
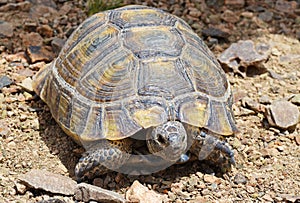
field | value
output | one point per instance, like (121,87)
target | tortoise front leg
(102,157)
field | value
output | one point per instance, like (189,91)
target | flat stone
(50,182)
(5,81)
(39,53)
(6,29)
(283,114)
(235,3)
(211,179)
(245,58)
(215,32)
(266,16)
(32,39)
(86,193)
(139,193)
(27,84)
(230,17)
(285,6)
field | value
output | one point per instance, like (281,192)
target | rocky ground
(266,103)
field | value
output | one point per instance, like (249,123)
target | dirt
(268,159)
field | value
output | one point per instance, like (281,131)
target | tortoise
(131,69)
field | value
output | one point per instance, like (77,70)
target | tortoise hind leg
(102,157)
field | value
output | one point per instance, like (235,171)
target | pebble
(215,32)
(266,16)
(57,44)
(4,129)
(45,30)
(283,114)
(239,179)
(5,81)
(6,29)
(31,39)
(39,53)
(235,3)
(140,193)
(86,192)
(296,99)
(229,16)
(27,84)
(211,179)
(50,182)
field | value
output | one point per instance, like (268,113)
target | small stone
(215,32)
(21,189)
(267,197)
(45,30)
(50,182)
(296,99)
(239,179)
(27,84)
(283,114)
(229,16)
(280,148)
(285,6)
(57,44)
(211,179)
(250,189)
(297,139)
(266,16)
(4,129)
(39,53)
(86,193)
(31,39)
(264,99)
(139,193)
(5,81)
(21,6)
(6,29)
(235,3)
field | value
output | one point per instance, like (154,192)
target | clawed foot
(211,143)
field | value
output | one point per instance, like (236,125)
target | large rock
(86,192)
(283,114)
(50,182)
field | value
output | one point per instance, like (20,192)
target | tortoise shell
(131,68)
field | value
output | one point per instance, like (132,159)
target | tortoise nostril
(161,139)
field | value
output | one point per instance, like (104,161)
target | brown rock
(31,39)
(139,193)
(86,192)
(44,180)
(45,30)
(244,58)
(39,53)
(21,6)
(283,114)
(57,44)
(286,6)
(235,3)
(6,29)
(230,16)
(211,179)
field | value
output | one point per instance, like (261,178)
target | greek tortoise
(134,68)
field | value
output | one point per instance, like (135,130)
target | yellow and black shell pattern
(131,68)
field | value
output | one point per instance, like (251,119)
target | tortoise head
(169,140)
